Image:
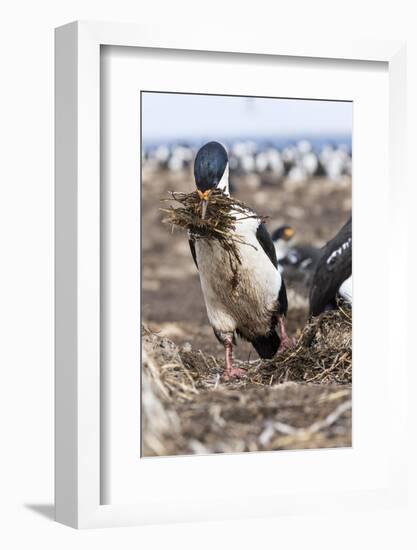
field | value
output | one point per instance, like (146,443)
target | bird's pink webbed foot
(286,341)
(231,372)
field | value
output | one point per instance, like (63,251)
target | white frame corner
(77,230)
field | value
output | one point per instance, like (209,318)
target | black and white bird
(303,257)
(254,306)
(281,238)
(332,278)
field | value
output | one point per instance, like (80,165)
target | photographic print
(246,279)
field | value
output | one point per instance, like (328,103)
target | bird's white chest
(345,290)
(241,296)
(281,249)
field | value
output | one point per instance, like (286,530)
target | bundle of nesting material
(218,222)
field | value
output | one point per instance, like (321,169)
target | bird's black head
(210,166)
(284,232)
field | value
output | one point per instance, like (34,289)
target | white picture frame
(78,406)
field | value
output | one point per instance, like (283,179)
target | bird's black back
(333,268)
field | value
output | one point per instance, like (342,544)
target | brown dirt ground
(299,399)
(173,307)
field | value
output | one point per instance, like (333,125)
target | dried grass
(219,223)
(300,399)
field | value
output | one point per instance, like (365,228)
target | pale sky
(168,116)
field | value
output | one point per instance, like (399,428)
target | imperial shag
(255,305)
(303,257)
(281,238)
(332,278)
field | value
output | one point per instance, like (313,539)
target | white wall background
(26,274)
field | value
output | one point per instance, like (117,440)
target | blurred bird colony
(270,139)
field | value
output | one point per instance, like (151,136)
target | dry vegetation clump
(322,354)
(219,223)
(300,399)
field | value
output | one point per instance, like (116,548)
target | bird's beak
(288,233)
(204,196)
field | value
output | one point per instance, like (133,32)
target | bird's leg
(230,371)
(286,341)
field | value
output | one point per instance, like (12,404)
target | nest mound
(300,399)
(322,354)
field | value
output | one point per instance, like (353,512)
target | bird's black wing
(292,258)
(333,268)
(192,248)
(267,244)
(264,239)
(282,299)
(307,252)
